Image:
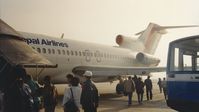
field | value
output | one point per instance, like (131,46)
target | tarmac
(111,102)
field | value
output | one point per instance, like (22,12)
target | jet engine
(122,40)
(130,43)
(147,59)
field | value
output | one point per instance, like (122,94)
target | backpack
(119,88)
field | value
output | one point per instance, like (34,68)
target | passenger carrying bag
(70,105)
(120,88)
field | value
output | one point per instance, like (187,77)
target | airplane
(132,56)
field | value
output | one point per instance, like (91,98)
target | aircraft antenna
(62,35)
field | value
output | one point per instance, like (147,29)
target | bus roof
(191,41)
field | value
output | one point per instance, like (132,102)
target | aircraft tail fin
(151,36)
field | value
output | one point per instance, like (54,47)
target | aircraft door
(87,55)
(98,56)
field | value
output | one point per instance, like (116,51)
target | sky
(100,21)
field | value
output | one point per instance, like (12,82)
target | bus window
(176,58)
(187,62)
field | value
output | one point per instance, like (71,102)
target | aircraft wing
(118,71)
(15,50)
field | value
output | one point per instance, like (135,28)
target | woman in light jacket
(76,89)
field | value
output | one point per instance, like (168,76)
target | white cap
(88,74)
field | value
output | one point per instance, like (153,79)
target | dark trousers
(160,87)
(130,94)
(90,109)
(140,97)
(165,93)
(149,94)
(50,109)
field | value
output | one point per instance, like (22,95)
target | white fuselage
(68,54)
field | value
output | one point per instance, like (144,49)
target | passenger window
(68,52)
(104,55)
(76,53)
(39,50)
(59,52)
(53,51)
(84,53)
(101,54)
(44,50)
(49,51)
(80,53)
(91,54)
(63,51)
(95,54)
(71,52)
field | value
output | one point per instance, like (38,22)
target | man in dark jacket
(149,87)
(49,93)
(89,97)
(140,90)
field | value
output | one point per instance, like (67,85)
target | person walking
(129,88)
(73,92)
(140,90)
(160,84)
(49,93)
(18,96)
(164,86)
(69,77)
(34,92)
(149,88)
(89,97)
(120,87)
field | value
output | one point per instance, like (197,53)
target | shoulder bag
(70,105)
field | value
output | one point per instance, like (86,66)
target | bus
(183,74)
